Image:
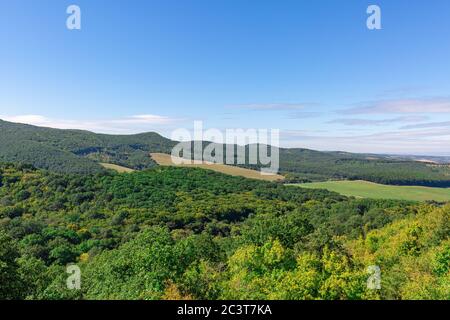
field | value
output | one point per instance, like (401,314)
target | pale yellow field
(166,160)
(117,168)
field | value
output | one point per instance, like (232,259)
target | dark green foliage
(76,151)
(11,284)
(308,165)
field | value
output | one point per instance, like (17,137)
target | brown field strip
(166,160)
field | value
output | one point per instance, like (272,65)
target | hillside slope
(316,166)
(77,151)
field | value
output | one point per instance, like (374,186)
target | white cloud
(28,119)
(127,125)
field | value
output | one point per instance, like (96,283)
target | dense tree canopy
(178,233)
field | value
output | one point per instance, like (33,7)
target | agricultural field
(364,189)
(166,160)
(117,168)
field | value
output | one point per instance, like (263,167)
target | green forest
(183,233)
(304,165)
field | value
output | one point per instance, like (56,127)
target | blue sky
(309,68)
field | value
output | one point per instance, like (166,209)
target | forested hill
(76,151)
(183,233)
(309,165)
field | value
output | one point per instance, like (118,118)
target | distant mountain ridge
(78,151)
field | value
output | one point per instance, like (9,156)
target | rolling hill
(77,151)
(320,166)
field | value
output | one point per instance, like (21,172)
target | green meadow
(364,189)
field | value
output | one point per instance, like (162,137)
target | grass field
(364,189)
(117,168)
(166,160)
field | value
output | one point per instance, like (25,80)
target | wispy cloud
(423,105)
(443,124)
(435,141)
(274,106)
(303,115)
(131,124)
(377,122)
(406,91)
